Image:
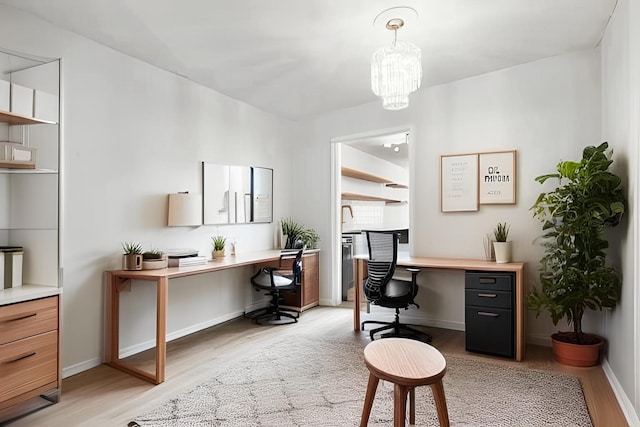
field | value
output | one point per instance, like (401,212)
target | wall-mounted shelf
(364,197)
(17,119)
(352,173)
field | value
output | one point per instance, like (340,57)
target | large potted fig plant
(574,275)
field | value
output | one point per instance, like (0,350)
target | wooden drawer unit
(29,344)
(29,318)
(306,295)
(28,364)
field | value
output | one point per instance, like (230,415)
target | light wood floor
(106,397)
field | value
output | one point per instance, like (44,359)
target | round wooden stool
(407,364)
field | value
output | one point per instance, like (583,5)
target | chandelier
(396,70)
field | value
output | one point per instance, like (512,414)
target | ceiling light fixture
(396,70)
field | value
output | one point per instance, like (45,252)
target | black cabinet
(489,313)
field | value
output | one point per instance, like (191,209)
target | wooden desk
(119,280)
(453,264)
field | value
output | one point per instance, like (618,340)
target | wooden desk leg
(412,406)
(113,319)
(161,328)
(357,285)
(520,312)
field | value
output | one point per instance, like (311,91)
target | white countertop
(27,293)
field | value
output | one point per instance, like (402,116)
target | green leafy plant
(218,242)
(297,234)
(131,248)
(152,254)
(501,232)
(574,276)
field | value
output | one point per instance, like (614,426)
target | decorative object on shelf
(502,247)
(396,70)
(132,258)
(184,209)
(11,266)
(497,182)
(489,252)
(219,243)
(574,276)
(154,259)
(459,182)
(297,235)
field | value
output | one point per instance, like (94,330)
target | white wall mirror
(236,194)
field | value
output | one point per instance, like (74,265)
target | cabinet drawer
(482,298)
(28,364)
(489,330)
(29,318)
(489,280)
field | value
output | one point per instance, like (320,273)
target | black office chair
(381,288)
(275,280)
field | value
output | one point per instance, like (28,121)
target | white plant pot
(502,251)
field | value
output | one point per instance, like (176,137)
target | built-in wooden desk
(454,264)
(118,280)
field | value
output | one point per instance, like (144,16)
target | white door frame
(336,200)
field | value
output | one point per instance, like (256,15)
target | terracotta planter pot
(582,355)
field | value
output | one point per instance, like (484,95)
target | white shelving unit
(30,200)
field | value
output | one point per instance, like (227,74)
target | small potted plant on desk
(219,243)
(574,276)
(501,247)
(153,260)
(132,258)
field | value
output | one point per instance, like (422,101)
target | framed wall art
(497,178)
(459,182)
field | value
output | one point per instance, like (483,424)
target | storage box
(21,100)
(17,153)
(45,106)
(11,266)
(5,95)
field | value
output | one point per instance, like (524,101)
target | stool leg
(399,405)
(412,406)
(441,403)
(368,399)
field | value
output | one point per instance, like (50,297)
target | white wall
(546,110)
(620,126)
(133,134)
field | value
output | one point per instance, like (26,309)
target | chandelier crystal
(396,70)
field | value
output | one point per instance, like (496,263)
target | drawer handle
(26,316)
(22,357)
(484,313)
(487,295)
(487,280)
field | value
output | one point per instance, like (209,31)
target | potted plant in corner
(132,257)
(501,247)
(574,276)
(219,243)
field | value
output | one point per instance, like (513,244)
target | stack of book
(185,257)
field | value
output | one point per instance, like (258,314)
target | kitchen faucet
(342,213)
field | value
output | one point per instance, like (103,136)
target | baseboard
(625,404)
(542,340)
(80,367)
(137,348)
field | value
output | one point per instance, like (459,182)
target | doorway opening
(370,190)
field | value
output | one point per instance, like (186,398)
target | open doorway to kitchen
(370,177)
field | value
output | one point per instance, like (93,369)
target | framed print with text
(497,178)
(459,182)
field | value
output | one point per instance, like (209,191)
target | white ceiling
(299,58)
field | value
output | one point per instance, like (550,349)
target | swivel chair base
(397,329)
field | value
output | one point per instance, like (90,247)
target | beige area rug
(321,382)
